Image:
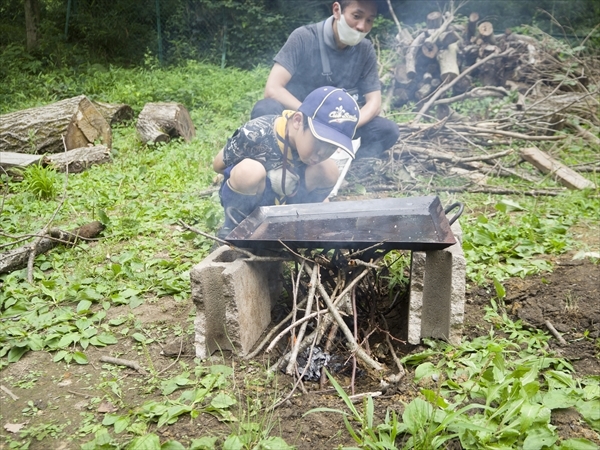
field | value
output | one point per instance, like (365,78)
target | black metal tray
(415,223)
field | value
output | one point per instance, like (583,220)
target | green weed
(42,182)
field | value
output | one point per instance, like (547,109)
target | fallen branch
(555,333)
(9,392)
(123,362)
(19,257)
(444,87)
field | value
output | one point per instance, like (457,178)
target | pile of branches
(530,91)
(340,300)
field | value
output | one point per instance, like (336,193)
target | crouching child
(285,159)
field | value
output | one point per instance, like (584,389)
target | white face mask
(347,34)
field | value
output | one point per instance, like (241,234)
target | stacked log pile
(445,49)
(525,91)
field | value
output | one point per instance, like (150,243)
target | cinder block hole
(229,256)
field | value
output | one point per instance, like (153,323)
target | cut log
(41,129)
(17,258)
(423,91)
(79,159)
(472,26)
(114,113)
(448,62)
(434,20)
(160,122)
(429,49)
(21,160)
(546,164)
(447,38)
(486,32)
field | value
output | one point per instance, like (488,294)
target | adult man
(298,70)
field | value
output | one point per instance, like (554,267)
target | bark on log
(79,159)
(17,258)
(565,176)
(448,62)
(472,26)
(411,55)
(114,113)
(41,129)
(22,160)
(160,122)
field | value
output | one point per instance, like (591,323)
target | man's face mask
(347,34)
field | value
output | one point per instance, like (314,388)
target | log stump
(160,122)
(41,129)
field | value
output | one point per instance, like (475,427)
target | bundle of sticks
(335,294)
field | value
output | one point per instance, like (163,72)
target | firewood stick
(325,323)
(314,280)
(354,347)
(444,87)
(554,332)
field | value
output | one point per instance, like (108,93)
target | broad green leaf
(274,443)
(233,442)
(84,305)
(204,443)
(148,442)
(59,355)
(121,424)
(16,353)
(507,205)
(80,358)
(135,301)
(107,338)
(500,290)
(172,445)
(577,444)
(425,370)
(558,399)
(35,342)
(118,321)
(222,401)
(539,438)
(417,415)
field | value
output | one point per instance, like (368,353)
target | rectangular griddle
(415,223)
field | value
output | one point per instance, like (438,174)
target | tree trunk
(114,113)
(32,23)
(159,122)
(42,129)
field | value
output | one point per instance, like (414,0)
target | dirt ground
(66,396)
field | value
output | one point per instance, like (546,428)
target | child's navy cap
(332,116)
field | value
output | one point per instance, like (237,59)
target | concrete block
(437,293)
(233,299)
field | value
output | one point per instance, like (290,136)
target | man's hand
(371,109)
(275,88)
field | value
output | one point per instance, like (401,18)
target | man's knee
(377,136)
(266,107)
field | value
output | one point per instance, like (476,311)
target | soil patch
(59,404)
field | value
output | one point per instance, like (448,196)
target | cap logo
(339,115)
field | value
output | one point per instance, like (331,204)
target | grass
(144,257)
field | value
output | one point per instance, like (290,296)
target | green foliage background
(242,33)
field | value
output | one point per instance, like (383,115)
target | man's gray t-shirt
(352,67)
